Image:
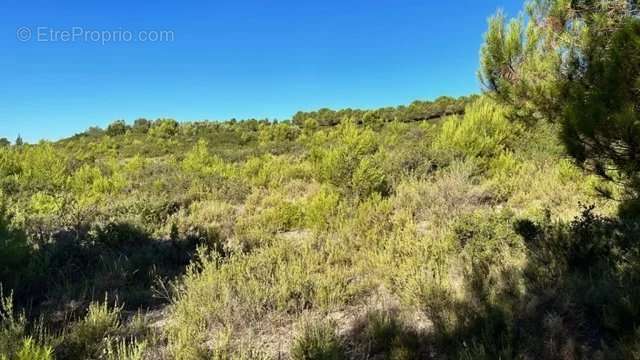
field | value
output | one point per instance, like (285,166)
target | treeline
(416,111)
(240,139)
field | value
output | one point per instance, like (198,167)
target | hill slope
(319,239)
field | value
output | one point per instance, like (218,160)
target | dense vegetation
(497,226)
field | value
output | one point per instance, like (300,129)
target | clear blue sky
(241,58)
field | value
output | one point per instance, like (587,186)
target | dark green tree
(601,119)
(14,249)
(576,63)
(117,128)
(141,126)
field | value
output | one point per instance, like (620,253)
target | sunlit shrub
(279,132)
(369,178)
(349,162)
(504,172)
(321,208)
(90,186)
(200,162)
(483,131)
(210,221)
(14,340)
(124,349)
(273,171)
(164,128)
(89,336)
(40,168)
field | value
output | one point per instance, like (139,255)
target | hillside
(495,226)
(404,228)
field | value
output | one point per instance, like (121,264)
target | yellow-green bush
(86,337)
(29,350)
(483,131)
(286,277)
(15,344)
(273,171)
(199,161)
(318,341)
(321,208)
(348,161)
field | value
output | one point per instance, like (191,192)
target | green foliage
(14,342)
(321,208)
(141,126)
(164,128)
(416,111)
(39,168)
(576,64)
(601,124)
(90,186)
(279,133)
(519,62)
(124,350)
(32,351)
(452,218)
(89,337)
(352,161)
(117,128)
(383,333)
(14,251)
(318,341)
(484,131)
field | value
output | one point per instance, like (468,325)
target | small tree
(117,128)
(141,126)
(165,128)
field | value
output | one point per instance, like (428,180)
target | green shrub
(14,251)
(15,344)
(383,334)
(32,351)
(504,173)
(483,131)
(117,128)
(200,162)
(349,161)
(124,350)
(369,178)
(210,221)
(321,208)
(493,253)
(318,341)
(164,128)
(12,326)
(88,338)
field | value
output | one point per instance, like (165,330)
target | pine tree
(576,63)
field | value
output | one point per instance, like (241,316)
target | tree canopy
(576,63)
